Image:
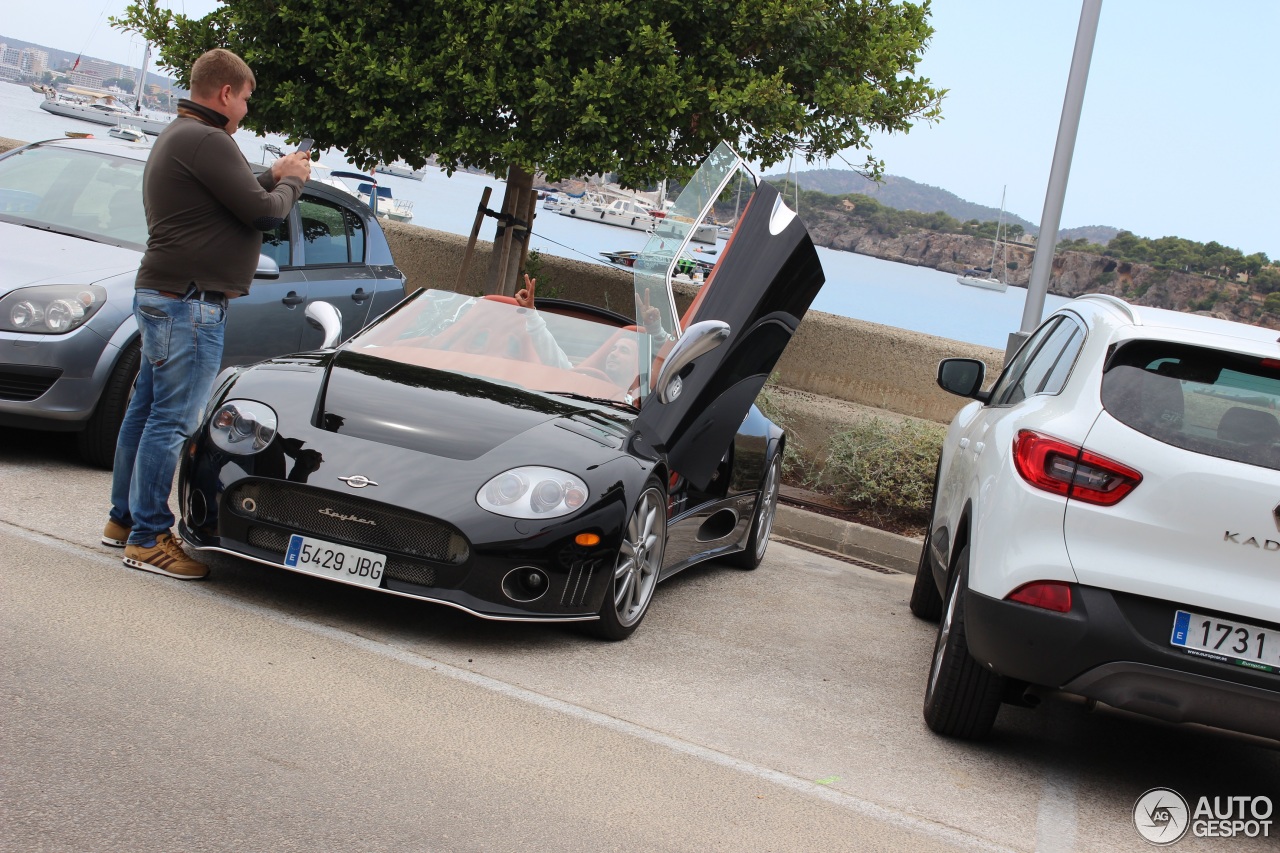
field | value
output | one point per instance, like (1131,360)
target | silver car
(72,233)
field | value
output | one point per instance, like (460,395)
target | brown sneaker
(115,535)
(166,557)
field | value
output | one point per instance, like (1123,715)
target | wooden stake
(471,242)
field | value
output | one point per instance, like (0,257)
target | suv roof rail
(1115,302)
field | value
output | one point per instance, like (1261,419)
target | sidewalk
(846,539)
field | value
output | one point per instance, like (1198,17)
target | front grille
(22,383)
(277,542)
(356,521)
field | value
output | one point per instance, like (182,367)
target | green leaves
(644,88)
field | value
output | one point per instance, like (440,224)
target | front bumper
(427,558)
(52,381)
(1114,647)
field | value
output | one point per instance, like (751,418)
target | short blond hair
(217,68)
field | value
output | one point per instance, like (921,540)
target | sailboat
(975,277)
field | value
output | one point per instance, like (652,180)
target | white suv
(1106,523)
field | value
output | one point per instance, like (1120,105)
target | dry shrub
(888,464)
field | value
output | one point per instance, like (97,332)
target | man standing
(206,212)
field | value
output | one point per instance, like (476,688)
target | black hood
(431,411)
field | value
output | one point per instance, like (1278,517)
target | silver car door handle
(964,442)
(978,448)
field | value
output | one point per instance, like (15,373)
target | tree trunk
(510,242)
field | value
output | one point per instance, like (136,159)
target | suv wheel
(962,697)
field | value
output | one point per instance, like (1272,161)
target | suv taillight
(1054,465)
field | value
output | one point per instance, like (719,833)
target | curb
(848,539)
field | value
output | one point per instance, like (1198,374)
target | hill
(901,194)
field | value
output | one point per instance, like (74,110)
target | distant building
(22,62)
(34,61)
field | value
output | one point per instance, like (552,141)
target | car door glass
(275,244)
(326,230)
(1013,373)
(1042,362)
(1056,377)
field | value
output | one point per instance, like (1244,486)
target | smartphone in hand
(305,145)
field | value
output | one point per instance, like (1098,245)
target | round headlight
(243,427)
(533,492)
(26,315)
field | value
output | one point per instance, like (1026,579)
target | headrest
(1248,426)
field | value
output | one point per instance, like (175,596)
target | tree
(642,88)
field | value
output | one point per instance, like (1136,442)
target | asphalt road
(771,710)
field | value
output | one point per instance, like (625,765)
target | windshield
(678,249)
(75,192)
(548,350)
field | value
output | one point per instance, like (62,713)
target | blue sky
(1180,133)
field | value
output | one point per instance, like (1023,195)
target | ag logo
(1161,816)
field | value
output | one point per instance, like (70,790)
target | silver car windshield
(81,193)
(491,337)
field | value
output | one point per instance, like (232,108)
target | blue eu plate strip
(295,548)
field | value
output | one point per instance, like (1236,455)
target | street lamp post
(1050,219)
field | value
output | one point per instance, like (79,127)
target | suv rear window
(1205,400)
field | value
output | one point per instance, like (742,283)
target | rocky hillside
(1074,273)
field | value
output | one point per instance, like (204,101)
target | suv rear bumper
(1114,647)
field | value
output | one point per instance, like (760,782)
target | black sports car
(545,465)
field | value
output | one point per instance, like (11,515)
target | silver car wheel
(768,507)
(640,558)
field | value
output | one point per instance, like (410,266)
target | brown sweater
(206,210)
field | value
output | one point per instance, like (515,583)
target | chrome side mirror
(698,339)
(962,376)
(326,318)
(267,268)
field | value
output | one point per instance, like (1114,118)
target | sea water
(891,294)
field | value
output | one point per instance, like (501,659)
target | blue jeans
(181,352)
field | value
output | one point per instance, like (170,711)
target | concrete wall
(833,357)
(837,357)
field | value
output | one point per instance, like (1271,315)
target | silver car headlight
(243,427)
(50,309)
(533,492)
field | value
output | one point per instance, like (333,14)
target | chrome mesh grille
(333,517)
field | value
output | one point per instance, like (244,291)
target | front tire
(926,601)
(639,564)
(962,697)
(97,441)
(762,523)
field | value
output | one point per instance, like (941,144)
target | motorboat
(127,132)
(401,169)
(554,201)
(383,203)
